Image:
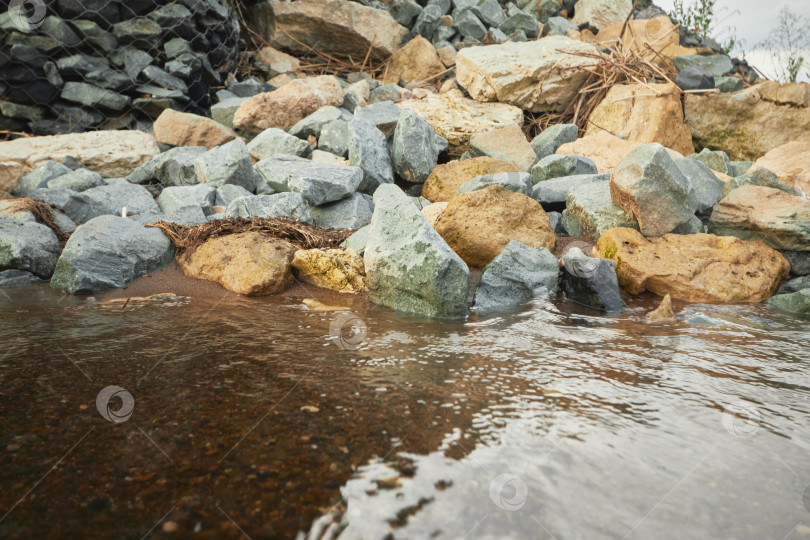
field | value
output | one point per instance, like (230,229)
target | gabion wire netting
(77,65)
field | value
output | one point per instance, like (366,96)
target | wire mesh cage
(77,65)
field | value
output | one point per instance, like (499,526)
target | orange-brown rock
(336,269)
(750,212)
(284,107)
(479,224)
(643,113)
(186,129)
(416,61)
(604,149)
(694,268)
(444,181)
(791,162)
(247,263)
(433,212)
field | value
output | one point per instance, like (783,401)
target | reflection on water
(251,419)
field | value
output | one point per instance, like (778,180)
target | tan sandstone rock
(602,13)
(479,224)
(508,143)
(663,312)
(537,76)
(645,114)
(284,107)
(646,37)
(328,26)
(186,129)
(444,181)
(777,218)
(748,124)
(336,269)
(416,61)
(457,118)
(275,62)
(247,263)
(433,212)
(695,267)
(604,149)
(112,154)
(791,162)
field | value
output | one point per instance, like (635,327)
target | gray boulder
(228,193)
(117,196)
(717,160)
(695,78)
(518,22)
(556,190)
(552,138)
(739,168)
(39,177)
(555,218)
(318,183)
(729,84)
(78,207)
(109,252)
(175,167)
(797,302)
(558,26)
(368,149)
(760,177)
(589,211)
(716,64)
(78,180)
(224,111)
(312,124)
(517,275)
(692,226)
(796,285)
(409,267)
(229,163)
(591,282)
(350,213)
(519,182)
(384,115)
(414,148)
(27,246)
(358,240)
(708,188)
(335,138)
(18,278)
(176,197)
(558,166)
(187,216)
(799,262)
(279,205)
(273,141)
(650,187)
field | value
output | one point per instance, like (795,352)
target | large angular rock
(751,123)
(248,263)
(651,189)
(226,164)
(228,193)
(602,13)
(416,61)
(273,142)
(112,154)
(778,219)
(537,76)
(119,195)
(716,64)
(645,113)
(414,148)
(457,118)
(446,179)
(556,190)
(408,266)
(795,284)
(559,166)
(716,160)
(335,138)
(590,282)
(552,138)
(328,26)
(384,115)
(311,125)
(479,224)
(694,268)
(317,183)
(174,198)
(186,129)
(797,302)
(78,180)
(759,176)
(174,167)
(109,252)
(708,188)
(517,275)
(340,270)
(368,149)
(791,163)
(265,206)
(286,106)
(27,246)
(590,211)
(507,143)
(350,213)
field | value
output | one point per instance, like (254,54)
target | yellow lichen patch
(336,269)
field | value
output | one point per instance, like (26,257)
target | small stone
(517,275)
(351,212)
(78,180)
(520,22)
(591,282)
(414,149)
(708,188)
(695,78)
(416,61)
(717,160)
(274,62)
(186,129)
(556,190)
(312,125)
(278,205)
(90,95)
(798,302)
(318,183)
(796,285)
(368,150)
(334,138)
(174,198)
(27,246)
(552,138)
(226,194)
(273,141)
(590,211)
(729,84)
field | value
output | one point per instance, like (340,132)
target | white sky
(751,21)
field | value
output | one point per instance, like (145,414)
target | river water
(265,418)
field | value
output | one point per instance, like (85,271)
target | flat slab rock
(694,268)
